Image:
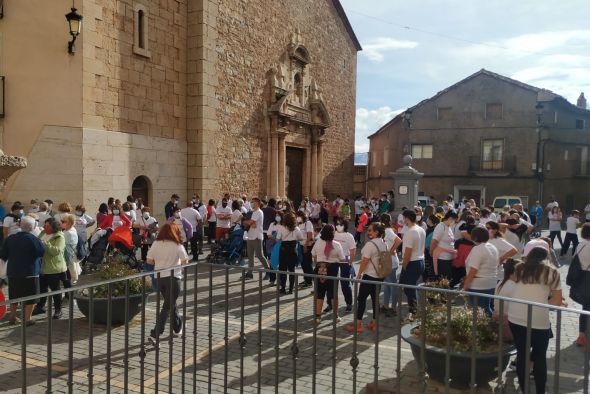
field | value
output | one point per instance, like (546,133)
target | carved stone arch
(300,54)
(297,119)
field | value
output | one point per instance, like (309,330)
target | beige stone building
(186,96)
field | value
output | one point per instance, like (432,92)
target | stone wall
(113,160)
(251,37)
(124,91)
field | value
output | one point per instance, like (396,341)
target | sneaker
(581,341)
(348,309)
(372,325)
(338,319)
(180,329)
(304,285)
(391,312)
(383,309)
(290,291)
(266,276)
(29,323)
(39,311)
(328,309)
(283,291)
(318,319)
(58,314)
(350,327)
(271,284)
(14,321)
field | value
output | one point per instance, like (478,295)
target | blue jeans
(483,302)
(390,292)
(410,276)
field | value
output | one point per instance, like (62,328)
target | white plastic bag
(75,271)
(3,266)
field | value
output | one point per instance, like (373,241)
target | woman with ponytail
(326,254)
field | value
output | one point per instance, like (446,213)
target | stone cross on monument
(405,181)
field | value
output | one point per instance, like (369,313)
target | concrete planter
(486,364)
(117,308)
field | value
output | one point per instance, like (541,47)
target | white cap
(535,243)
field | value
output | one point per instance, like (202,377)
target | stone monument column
(314,170)
(282,162)
(320,180)
(405,181)
(274,165)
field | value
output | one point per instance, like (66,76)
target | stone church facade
(184,96)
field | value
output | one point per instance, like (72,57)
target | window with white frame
(422,151)
(493,154)
(140,31)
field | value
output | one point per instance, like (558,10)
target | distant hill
(361,158)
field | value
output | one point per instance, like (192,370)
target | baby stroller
(125,242)
(98,245)
(228,251)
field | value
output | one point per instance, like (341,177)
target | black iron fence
(232,333)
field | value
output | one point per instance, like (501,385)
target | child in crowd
(571,233)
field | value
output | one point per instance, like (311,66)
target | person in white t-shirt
(148,228)
(505,288)
(346,240)
(442,246)
(289,234)
(571,233)
(194,218)
(168,253)
(505,249)
(482,269)
(370,256)
(236,215)
(413,243)
(223,213)
(255,237)
(555,217)
(393,242)
(326,254)
(536,281)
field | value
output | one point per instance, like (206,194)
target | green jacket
(53,259)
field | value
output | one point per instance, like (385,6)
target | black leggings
(553,234)
(366,290)
(51,281)
(287,262)
(538,355)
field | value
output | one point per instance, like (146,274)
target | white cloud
(376,48)
(369,121)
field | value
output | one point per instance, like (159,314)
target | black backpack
(579,280)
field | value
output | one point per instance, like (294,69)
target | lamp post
(539,162)
(75,22)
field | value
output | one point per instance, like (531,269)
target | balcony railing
(503,167)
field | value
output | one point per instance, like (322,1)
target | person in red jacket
(115,219)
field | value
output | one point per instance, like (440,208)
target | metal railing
(506,164)
(208,353)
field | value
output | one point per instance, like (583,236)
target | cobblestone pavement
(212,355)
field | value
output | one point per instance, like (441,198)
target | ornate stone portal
(297,119)
(8,166)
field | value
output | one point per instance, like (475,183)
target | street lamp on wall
(75,22)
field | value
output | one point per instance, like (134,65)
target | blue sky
(411,50)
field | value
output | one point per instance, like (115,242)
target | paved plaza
(213,356)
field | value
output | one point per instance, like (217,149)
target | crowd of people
(477,249)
